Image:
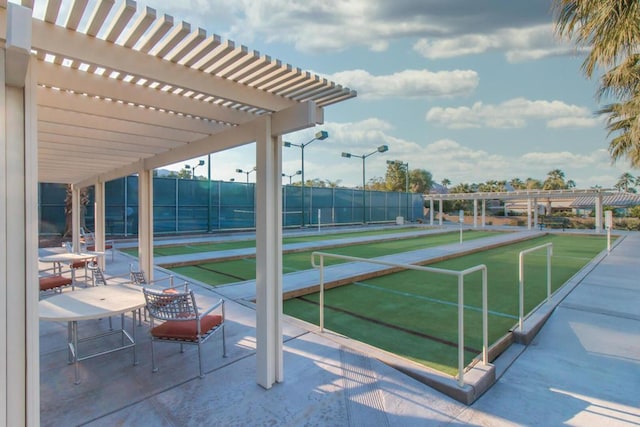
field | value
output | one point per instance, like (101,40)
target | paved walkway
(583,368)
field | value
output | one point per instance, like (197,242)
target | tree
(625,183)
(555,181)
(68,210)
(517,184)
(420,181)
(611,31)
(533,184)
(445,182)
(396,176)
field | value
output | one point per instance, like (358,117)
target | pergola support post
(269,349)
(484,213)
(528,213)
(99,221)
(19,330)
(75,218)
(145,222)
(599,213)
(475,213)
(431,212)
(440,203)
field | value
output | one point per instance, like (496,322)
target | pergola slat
(177,34)
(188,44)
(159,29)
(123,16)
(52,11)
(75,14)
(142,24)
(100,13)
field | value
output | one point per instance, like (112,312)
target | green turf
(245,269)
(251,243)
(413,314)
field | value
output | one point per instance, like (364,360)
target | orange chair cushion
(53,282)
(78,264)
(93,247)
(185,330)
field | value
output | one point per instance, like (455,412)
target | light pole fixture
(380,149)
(246,172)
(193,168)
(298,172)
(320,136)
(406,168)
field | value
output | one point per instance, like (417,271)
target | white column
(599,213)
(145,222)
(431,212)
(19,329)
(528,213)
(484,212)
(268,257)
(99,220)
(440,209)
(475,213)
(75,218)
(535,213)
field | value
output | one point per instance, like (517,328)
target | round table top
(91,303)
(70,256)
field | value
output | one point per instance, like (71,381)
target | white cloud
(446,29)
(409,83)
(513,113)
(519,44)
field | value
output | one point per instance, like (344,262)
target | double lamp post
(380,149)
(320,136)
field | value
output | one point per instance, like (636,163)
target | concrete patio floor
(583,368)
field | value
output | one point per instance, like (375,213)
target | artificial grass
(251,243)
(245,269)
(414,314)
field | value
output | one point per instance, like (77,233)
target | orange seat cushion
(93,247)
(185,330)
(53,282)
(79,264)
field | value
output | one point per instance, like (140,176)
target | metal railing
(459,274)
(549,247)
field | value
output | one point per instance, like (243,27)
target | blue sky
(469,90)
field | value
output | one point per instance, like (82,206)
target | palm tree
(625,182)
(555,180)
(611,30)
(445,182)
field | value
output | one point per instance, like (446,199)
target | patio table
(69,257)
(94,303)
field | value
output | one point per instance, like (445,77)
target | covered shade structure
(124,93)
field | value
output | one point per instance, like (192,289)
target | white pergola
(530,197)
(129,92)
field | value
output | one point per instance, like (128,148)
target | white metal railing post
(549,247)
(485,318)
(520,289)
(460,330)
(549,254)
(459,274)
(321,292)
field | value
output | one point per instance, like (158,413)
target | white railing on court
(459,274)
(549,247)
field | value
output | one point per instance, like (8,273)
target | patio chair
(182,321)
(52,280)
(139,278)
(88,241)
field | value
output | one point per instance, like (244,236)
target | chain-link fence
(186,205)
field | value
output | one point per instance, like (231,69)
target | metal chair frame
(170,305)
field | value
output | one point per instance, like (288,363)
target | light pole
(299,172)
(193,168)
(320,136)
(380,149)
(406,167)
(246,172)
